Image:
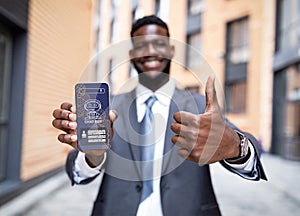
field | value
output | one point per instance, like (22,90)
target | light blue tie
(147,148)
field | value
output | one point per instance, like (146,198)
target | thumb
(113,115)
(210,93)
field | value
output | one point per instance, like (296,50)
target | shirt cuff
(248,165)
(83,170)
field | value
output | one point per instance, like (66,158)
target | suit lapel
(134,137)
(171,159)
(132,130)
(175,105)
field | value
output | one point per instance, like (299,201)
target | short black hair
(148,20)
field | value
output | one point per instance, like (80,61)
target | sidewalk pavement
(280,195)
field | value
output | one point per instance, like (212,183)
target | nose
(151,49)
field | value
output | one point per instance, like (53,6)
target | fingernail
(72,109)
(72,124)
(73,137)
(72,116)
(114,113)
(68,136)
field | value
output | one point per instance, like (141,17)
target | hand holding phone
(92,108)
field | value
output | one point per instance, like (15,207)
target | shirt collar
(163,94)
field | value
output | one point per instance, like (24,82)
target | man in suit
(189,133)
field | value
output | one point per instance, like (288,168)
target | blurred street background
(46,47)
(236,196)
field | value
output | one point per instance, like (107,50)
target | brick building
(46,47)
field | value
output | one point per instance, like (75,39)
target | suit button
(138,188)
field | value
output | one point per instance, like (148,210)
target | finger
(64,114)
(184,117)
(64,125)
(184,142)
(175,127)
(68,138)
(73,109)
(186,154)
(210,93)
(181,129)
(183,153)
(61,114)
(66,106)
(194,159)
(113,115)
(180,142)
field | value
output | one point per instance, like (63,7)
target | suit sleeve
(257,171)
(70,163)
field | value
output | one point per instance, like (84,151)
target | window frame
(190,50)
(4,117)
(193,27)
(235,73)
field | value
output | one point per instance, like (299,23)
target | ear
(131,55)
(172,52)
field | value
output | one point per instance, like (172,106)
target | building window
(5,66)
(157,8)
(289,24)
(236,97)
(193,49)
(286,113)
(113,30)
(195,7)
(193,29)
(13,51)
(111,75)
(133,15)
(238,46)
(136,11)
(293,102)
(237,55)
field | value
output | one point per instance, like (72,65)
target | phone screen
(92,109)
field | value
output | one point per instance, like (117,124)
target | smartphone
(92,109)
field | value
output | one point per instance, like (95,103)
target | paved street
(237,197)
(279,196)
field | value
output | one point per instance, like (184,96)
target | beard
(160,79)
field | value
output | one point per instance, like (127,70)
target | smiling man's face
(152,52)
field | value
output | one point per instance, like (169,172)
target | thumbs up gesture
(205,138)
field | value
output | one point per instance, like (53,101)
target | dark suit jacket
(186,187)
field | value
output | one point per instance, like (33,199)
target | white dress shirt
(152,204)
(160,109)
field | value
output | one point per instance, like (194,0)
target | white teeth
(153,63)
